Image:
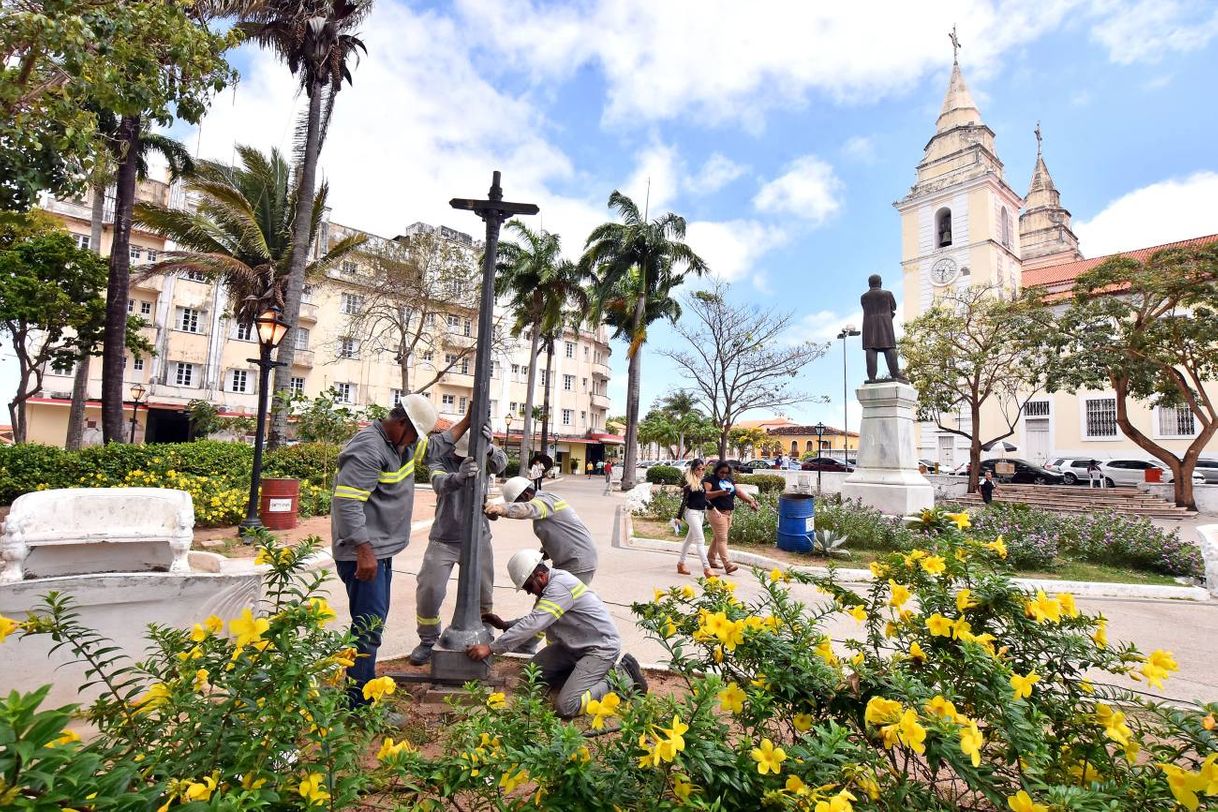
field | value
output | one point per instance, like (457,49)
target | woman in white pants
(693,510)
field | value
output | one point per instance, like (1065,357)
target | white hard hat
(461,449)
(521,566)
(514,487)
(421,413)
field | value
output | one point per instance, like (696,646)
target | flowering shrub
(665,475)
(1110,538)
(242,713)
(1032,536)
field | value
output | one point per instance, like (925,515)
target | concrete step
(1085,500)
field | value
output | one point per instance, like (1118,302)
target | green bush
(512,469)
(766,483)
(24,467)
(665,475)
(866,527)
(1110,538)
(1033,537)
(308,462)
(422,474)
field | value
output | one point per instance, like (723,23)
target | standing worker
(370,520)
(451,468)
(564,537)
(584,642)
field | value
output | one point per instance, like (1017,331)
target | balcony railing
(599,401)
(600,370)
(303,358)
(308,311)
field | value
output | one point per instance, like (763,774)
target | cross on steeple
(1038,139)
(955,45)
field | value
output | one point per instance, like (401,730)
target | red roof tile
(1055,277)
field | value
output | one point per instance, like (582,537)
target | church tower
(958,220)
(1044,227)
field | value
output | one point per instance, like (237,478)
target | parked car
(1074,469)
(1207,469)
(756,465)
(1061,464)
(825,464)
(1026,473)
(1133,472)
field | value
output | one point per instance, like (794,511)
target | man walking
(451,468)
(583,641)
(564,537)
(370,520)
(987,487)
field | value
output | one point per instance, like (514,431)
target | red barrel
(280,504)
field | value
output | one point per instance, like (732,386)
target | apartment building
(202,353)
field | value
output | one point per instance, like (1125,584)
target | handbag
(684,501)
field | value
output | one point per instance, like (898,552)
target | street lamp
(848,331)
(507,422)
(137,395)
(819,428)
(271,330)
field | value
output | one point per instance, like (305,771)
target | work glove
(488,434)
(469,468)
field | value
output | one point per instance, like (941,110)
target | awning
(607,439)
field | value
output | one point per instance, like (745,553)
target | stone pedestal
(887,477)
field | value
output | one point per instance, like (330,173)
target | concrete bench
(78,531)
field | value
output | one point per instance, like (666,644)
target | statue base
(887,477)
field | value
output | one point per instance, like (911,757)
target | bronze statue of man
(879,308)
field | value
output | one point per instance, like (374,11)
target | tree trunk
(633,382)
(723,433)
(545,398)
(301,223)
(114,342)
(526,436)
(80,384)
(974,450)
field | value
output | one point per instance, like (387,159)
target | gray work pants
(438,563)
(585,673)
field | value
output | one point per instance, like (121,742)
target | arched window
(809,446)
(1006,227)
(795,448)
(943,227)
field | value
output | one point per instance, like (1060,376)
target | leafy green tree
(978,353)
(752,439)
(636,264)
(314,39)
(1148,330)
(323,419)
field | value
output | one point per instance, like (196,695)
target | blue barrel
(796,522)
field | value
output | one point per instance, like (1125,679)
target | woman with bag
(720,493)
(692,510)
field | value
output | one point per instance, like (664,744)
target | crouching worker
(584,642)
(451,468)
(564,537)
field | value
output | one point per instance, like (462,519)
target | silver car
(1207,469)
(1073,469)
(1133,472)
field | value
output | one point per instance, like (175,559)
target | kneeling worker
(584,642)
(564,537)
(451,467)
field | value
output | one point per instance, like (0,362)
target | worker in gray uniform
(584,641)
(451,468)
(564,537)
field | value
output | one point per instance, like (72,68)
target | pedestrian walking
(778,461)
(537,473)
(564,537)
(1095,474)
(451,468)
(584,642)
(987,487)
(588,471)
(370,520)
(721,493)
(608,477)
(693,511)
(600,467)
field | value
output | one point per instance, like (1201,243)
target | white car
(1133,472)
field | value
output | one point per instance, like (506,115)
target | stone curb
(1080,589)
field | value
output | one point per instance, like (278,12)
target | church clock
(944,272)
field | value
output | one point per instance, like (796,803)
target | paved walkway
(625,576)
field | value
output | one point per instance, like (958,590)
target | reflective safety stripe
(393,477)
(578,590)
(427,621)
(435,474)
(420,451)
(541,506)
(561,504)
(350,492)
(551,607)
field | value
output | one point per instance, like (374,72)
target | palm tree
(519,272)
(241,232)
(682,407)
(314,38)
(565,304)
(636,265)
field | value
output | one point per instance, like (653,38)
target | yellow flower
(687,592)
(939,625)
(911,733)
(881,711)
(962,630)
(1113,722)
(248,628)
(1022,802)
(964,600)
(345,658)
(658,595)
(824,650)
(802,722)
(916,655)
(731,698)
(377,689)
(939,706)
(391,749)
(583,755)
(67,737)
(838,803)
(796,786)
(1100,635)
(676,734)
(998,546)
(7,627)
(1158,665)
(201,676)
(1044,609)
(971,742)
(1184,785)
(768,757)
(311,789)
(961,519)
(878,570)
(321,607)
(601,709)
(510,780)
(155,696)
(858,613)
(777,574)
(199,790)
(497,700)
(681,787)
(1023,685)
(1069,609)
(934,565)
(913,556)
(900,594)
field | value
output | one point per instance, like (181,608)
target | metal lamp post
(849,331)
(137,396)
(819,428)
(271,330)
(507,436)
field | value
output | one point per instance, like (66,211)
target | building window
(1036,408)
(131,305)
(395,395)
(137,364)
(567,415)
(515,370)
(462,403)
(190,320)
(568,383)
(427,355)
(585,353)
(544,377)
(512,407)
(245,332)
(583,418)
(467,328)
(145,308)
(450,358)
(585,380)
(346,392)
(454,323)
(448,400)
(151,254)
(195,276)
(570,346)
(349,268)
(1006,227)
(306,294)
(302,338)
(1176,421)
(520,411)
(1101,417)
(297,386)
(943,228)
(465,365)
(351,304)
(239,381)
(183,374)
(82,241)
(134,251)
(348,347)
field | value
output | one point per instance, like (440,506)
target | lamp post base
(249,524)
(448,658)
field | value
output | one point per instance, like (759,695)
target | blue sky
(781,131)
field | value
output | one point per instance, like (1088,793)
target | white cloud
(808,189)
(732,248)
(859,148)
(656,180)
(1167,211)
(1145,30)
(717,172)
